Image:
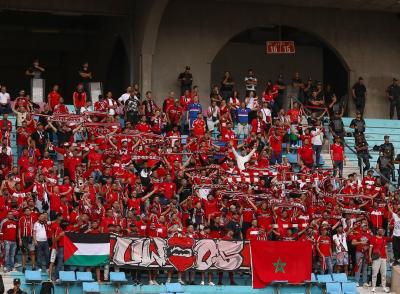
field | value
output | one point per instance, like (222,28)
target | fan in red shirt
(53,98)
(79,98)
(199,126)
(337,156)
(275,142)
(306,154)
(324,249)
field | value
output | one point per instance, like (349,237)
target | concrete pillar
(146,72)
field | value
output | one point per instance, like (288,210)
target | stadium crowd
(131,167)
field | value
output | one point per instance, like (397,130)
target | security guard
(385,165)
(362,153)
(336,126)
(358,124)
(387,149)
(393,93)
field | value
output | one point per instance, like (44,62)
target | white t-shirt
(4,98)
(40,232)
(317,137)
(266,113)
(250,87)
(340,242)
(123,98)
(396,229)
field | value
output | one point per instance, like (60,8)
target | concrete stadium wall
(193,32)
(265,66)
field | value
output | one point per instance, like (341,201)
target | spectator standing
(281,86)
(324,249)
(132,107)
(317,141)
(35,71)
(40,241)
(396,234)
(336,126)
(337,157)
(125,96)
(5,105)
(25,237)
(378,256)
(79,98)
(242,114)
(186,79)
(393,94)
(193,110)
(85,76)
(361,241)
(9,231)
(53,98)
(388,149)
(359,92)
(342,252)
(227,85)
(251,83)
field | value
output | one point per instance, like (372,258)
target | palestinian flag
(86,249)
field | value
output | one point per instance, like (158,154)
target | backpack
(47,288)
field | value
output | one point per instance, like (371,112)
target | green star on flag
(279,266)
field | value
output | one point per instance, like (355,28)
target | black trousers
(363,158)
(394,104)
(396,247)
(360,104)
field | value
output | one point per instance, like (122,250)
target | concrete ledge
(396,279)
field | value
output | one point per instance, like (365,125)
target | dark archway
(117,77)
(313,58)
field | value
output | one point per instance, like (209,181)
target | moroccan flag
(86,249)
(280,261)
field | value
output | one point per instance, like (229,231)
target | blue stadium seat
(33,278)
(90,287)
(324,278)
(174,288)
(67,276)
(339,277)
(349,288)
(84,277)
(313,277)
(118,278)
(333,288)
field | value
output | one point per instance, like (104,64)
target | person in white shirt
(396,234)
(5,105)
(87,107)
(242,159)
(251,82)
(342,255)
(317,141)
(40,241)
(125,96)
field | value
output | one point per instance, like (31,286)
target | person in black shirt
(16,289)
(362,153)
(43,120)
(235,227)
(393,93)
(387,149)
(336,126)
(281,91)
(85,76)
(358,124)
(227,86)
(359,92)
(35,71)
(331,100)
(186,80)
(385,165)
(40,138)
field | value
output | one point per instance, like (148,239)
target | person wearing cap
(393,94)
(186,80)
(359,93)
(388,150)
(16,289)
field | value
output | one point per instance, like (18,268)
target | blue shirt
(194,109)
(243,115)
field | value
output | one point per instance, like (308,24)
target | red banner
(280,261)
(181,253)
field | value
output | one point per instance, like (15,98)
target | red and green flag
(280,261)
(86,249)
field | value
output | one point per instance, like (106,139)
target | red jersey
(337,151)
(53,99)
(9,230)
(325,245)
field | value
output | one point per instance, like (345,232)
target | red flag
(280,261)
